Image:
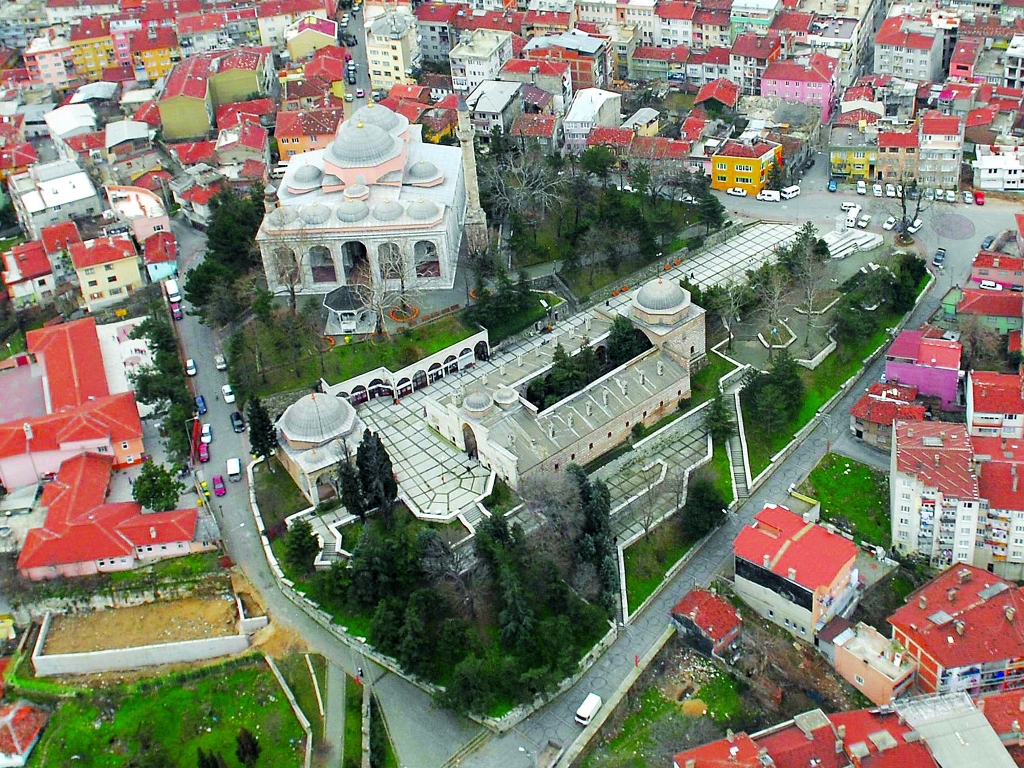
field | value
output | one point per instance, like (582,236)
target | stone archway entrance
(469,438)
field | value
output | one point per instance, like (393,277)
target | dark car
(809,164)
(351,78)
(832,185)
(350,40)
(987,242)
(913,193)
(200,405)
(237,422)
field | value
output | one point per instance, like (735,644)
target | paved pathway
(334,714)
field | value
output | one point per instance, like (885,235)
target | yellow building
(92,49)
(242,74)
(851,154)
(392,50)
(308,35)
(305,130)
(744,165)
(154,52)
(108,270)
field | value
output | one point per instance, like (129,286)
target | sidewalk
(334,714)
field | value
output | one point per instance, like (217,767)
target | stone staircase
(737,460)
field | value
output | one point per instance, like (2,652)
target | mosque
(379,209)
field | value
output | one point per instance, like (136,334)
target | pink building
(50,61)
(932,365)
(815,83)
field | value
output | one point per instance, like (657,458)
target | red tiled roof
(694,124)
(897,139)
(161,37)
(526,66)
(981,116)
(57,237)
(987,633)
(892,33)
(751,45)
(709,18)
(547,17)
(1004,711)
(229,115)
(1013,342)
(200,195)
(591,28)
(715,55)
(996,481)
(722,90)
(74,365)
(86,142)
(793,21)
(253,169)
(880,410)
(30,261)
(190,78)
(715,615)
(720,754)
(18,155)
(859,92)
(934,123)
(815,555)
(151,180)
(790,747)
(535,126)
(411,110)
(451,101)
(861,724)
(241,58)
(439,13)
(676,9)
(996,392)
(252,135)
(754,149)
(20,726)
(606,136)
(272,8)
(325,70)
(905,393)
(148,113)
(854,116)
(990,303)
(819,69)
(1019,218)
(939,455)
(410,93)
(679,53)
(309,122)
(192,152)
(160,248)
(966,51)
(201,22)
(512,22)
(89,28)
(102,250)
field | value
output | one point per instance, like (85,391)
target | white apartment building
(392,50)
(640,13)
(935,504)
(845,39)
(1013,64)
(479,56)
(941,151)
(995,407)
(50,193)
(273,19)
(597,11)
(675,24)
(999,167)
(590,108)
(910,48)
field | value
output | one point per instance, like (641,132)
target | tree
(810,275)
(718,419)
(645,509)
(156,488)
(771,292)
(712,212)
(247,748)
(597,162)
(351,490)
(704,510)
(262,432)
(376,476)
(210,759)
(981,344)
(524,186)
(301,547)
(776,176)
(641,181)
(728,301)
(768,408)
(623,342)
(234,222)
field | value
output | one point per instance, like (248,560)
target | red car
(204,452)
(979,198)
(218,486)
(176,311)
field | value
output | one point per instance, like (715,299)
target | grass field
(853,496)
(720,471)
(353,724)
(722,699)
(648,559)
(111,727)
(513,324)
(276,494)
(296,673)
(629,746)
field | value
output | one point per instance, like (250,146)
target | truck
(171,288)
(852,215)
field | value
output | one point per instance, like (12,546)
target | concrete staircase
(737,459)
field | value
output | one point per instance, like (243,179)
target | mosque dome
(317,213)
(283,216)
(380,116)
(662,296)
(506,397)
(362,145)
(352,211)
(389,210)
(423,210)
(356,192)
(478,402)
(307,175)
(422,170)
(317,419)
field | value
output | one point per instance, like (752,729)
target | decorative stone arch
(359,394)
(324,488)
(601,351)
(434,372)
(427,259)
(285,260)
(389,257)
(469,440)
(321,264)
(451,364)
(380,388)
(481,351)
(419,380)
(355,260)
(403,387)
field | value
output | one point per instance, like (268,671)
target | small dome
(380,116)
(423,210)
(662,296)
(317,418)
(478,401)
(308,174)
(506,397)
(357,192)
(422,171)
(352,210)
(389,210)
(283,216)
(317,213)
(362,145)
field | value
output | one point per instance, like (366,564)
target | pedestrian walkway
(334,714)
(738,461)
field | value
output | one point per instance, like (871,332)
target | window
(124,446)
(93,283)
(112,279)
(114,291)
(108,267)
(858,679)
(88,270)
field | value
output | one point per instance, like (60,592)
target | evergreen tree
(598,161)
(623,342)
(300,547)
(718,419)
(376,476)
(351,490)
(586,362)
(386,627)
(247,748)
(712,212)
(776,176)
(262,433)
(704,509)
(156,488)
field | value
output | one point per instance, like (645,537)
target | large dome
(362,145)
(308,174)
(422,170)
(379,115)
(317,418)
(662,296)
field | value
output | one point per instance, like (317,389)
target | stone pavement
(334,715)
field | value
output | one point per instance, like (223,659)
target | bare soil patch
(163,622)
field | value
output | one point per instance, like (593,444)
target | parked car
(939,258)
(190,367)
(206,436)
(968,197)
(237,422)
(929,194)
(876,190)
(736,192)
(987,242)
(832,185)
(862,188)
(991,285)
(220,362)
(950,196)
(229,396)
(913,193)
(915,226)
(889,224)
(890,190)
(204,452)
(360,93)
(201,405)
(864,221)
(349,97)
(218,486)
(979,198)
(176,312)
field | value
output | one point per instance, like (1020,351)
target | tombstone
(643,379)
(586,322)
(590,409)
(501,369)
(661,368)
(551,431)
(604,397)
(572,421)
(519,359)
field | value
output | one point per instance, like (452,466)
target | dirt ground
(162,622)
(278,641)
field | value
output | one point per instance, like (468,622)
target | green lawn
(105,728)
(853,496)
(704,383)
(516,323)
(501,498)
(353,724)
(174,569)
(276,493)
(721,472)
(635,735)
(722,698)
(648,559)
(296,674)
(17,344)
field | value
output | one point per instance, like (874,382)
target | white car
(968,197)
(349,97)
(890,190)
(864,221)
(190,367)
(220,362)
(991,285)
(206,436)
(929,194)
(862,188)
(876,190)
(736,192)
(229,396)
(915,227)
(889,224)
(950,196)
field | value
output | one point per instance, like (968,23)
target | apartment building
(306,130)
(853,153)
(554,77)
(1013,63)
(936,509)
(995,407)
(28,275)
(875,665)
(590,108)
(872,417)
(155,51)
(108,270)
(588,56)
(897,156)
(1007,271)
(92,49)
(998,167)
(749,57)
(392,50)
(50,60)
(495,104)
(910,48)
(709,623)
(940,151)
(435,25)
(273,17)
(744,164)
(931,364)
(816,82)
(711,29)
(479,56)
(651,63)
(752,15)
(49,193)
(675,23)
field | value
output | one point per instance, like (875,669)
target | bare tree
(645,509)
(981,344)
(373,293)
(524,186)
(554,496)
(810,275)
(730,301)
(288,264)
(454,568)
(677,484)
(771,292)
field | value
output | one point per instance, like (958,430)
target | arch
(469,439)
(602,354)
(389,256)
(380,388)
(321,264)
(481,351)
(428,263)
(451,364)
(403,386)
(359,394)
(355,260)
(287,265)
(434,373)
(325,490)
(465,351)
(419,380)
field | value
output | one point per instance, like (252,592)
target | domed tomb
(389,210)
(316,419)
(661,302)
(478,402)
(351,211)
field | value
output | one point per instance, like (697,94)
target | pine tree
(262,433)
(376,476)
(718,420)
(247,748)
(776,176)
(351,490)
(300,547)
(712,212)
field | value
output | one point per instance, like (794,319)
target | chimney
(960,627)
(767,560)
(691,763)
(936,460)
(922,603)
(152,532)
(589,408)
(963,575)
(729,735)
(792,574)
(643,378)
(951,594)
(661,368)
(1011,612)
(841,731)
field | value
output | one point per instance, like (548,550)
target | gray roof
(381,116)
(317,419)
(124,130)
(573,41)
(662,296)
(362,145)
(492,96)
(956,732)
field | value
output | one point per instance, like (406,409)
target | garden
(277,495)
(853,496)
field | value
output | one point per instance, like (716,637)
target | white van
(769,195)
(991,285)
(171,287)
(234,468)
(788,193)
(852,215)
(588,709)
